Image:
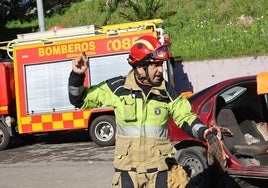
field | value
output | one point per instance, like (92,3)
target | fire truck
(34,95)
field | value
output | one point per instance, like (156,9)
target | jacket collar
(130,83)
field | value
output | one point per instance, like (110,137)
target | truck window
(107,67)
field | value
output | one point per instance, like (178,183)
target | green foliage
(142,10)
(219,29)
(199,29)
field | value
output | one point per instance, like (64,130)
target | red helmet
(148,49)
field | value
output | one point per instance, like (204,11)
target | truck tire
(4,137)
(194,161)
(102,130)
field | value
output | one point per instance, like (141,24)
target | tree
(138,9)
(25,10)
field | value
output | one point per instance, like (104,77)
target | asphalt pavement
(61,160)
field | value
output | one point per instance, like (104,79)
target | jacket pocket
(165,150)
(129,107)
(122,160)
(122,149)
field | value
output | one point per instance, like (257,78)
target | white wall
(198,75)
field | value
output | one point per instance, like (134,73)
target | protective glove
(213,136)
(177,176)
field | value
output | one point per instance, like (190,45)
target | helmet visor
(161,54)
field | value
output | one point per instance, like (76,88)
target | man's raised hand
(80,64)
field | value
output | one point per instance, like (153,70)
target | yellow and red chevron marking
(3,109)
(54,122)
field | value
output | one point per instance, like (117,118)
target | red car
(241,105)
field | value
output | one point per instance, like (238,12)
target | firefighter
(142,102)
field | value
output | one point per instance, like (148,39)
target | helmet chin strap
(146,77)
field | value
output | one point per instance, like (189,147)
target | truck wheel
(102,130)
(4,137)
(194,161)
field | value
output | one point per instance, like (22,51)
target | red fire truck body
(7,87)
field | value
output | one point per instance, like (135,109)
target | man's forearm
(76,89)
(196,129)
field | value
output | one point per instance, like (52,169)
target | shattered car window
(233,93)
